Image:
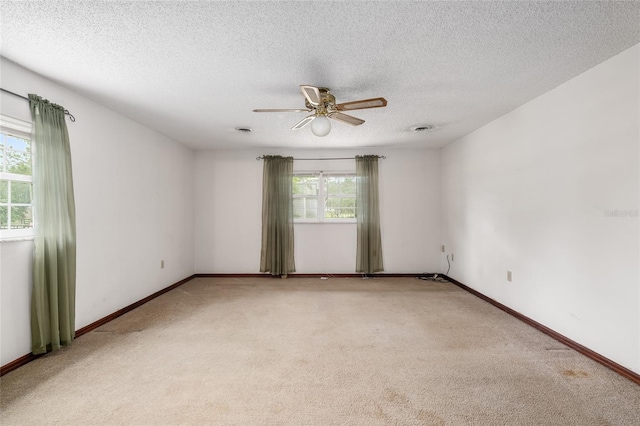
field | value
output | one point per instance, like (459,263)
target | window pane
(20,192)
(303,185)
(298,208)
(340,185)
(296,182)
(333,202)
(347,202)
(2,152)
(4,218)
(311,203)
(312,214)
(349,185)
(18,152)
(305,208)
(4,191)
(348,213)
(17,144)
(21,217)
(311,208)
(331,185)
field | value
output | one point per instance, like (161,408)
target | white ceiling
(195,70)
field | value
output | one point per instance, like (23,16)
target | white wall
(531,191)
(134,208)
(228,213)
(15,281)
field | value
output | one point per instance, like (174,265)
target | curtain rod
(334,158)
(66,111)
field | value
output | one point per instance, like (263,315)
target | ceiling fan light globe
(321,126)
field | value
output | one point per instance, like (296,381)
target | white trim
(11,125)
(327,222)
(14,177)
(16,234)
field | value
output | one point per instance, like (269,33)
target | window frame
(322,197)
(19,129)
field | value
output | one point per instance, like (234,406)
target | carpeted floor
(389,351)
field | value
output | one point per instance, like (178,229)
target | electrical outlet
(509,276)
(452,257)
(162,264)
(442,248)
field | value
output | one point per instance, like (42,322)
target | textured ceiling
(195,70)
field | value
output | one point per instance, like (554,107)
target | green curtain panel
(54,262)
(276,254)
(369,249)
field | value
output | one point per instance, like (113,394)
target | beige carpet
(398,351)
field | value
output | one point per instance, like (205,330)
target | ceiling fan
(322,103)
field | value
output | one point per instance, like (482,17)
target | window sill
(15,239)
(341,222)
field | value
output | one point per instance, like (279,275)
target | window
(16,190)
(324,197)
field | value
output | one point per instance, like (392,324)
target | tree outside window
(16,190)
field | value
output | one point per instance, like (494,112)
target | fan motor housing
(328,101)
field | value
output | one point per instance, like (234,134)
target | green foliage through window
(16,190)
(340,197)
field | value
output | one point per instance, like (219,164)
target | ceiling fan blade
(308,119)
(346,118)
(312,94)
(363,104)
(282,110)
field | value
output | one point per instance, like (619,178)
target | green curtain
(54,261)
(276,254)
(369,249)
